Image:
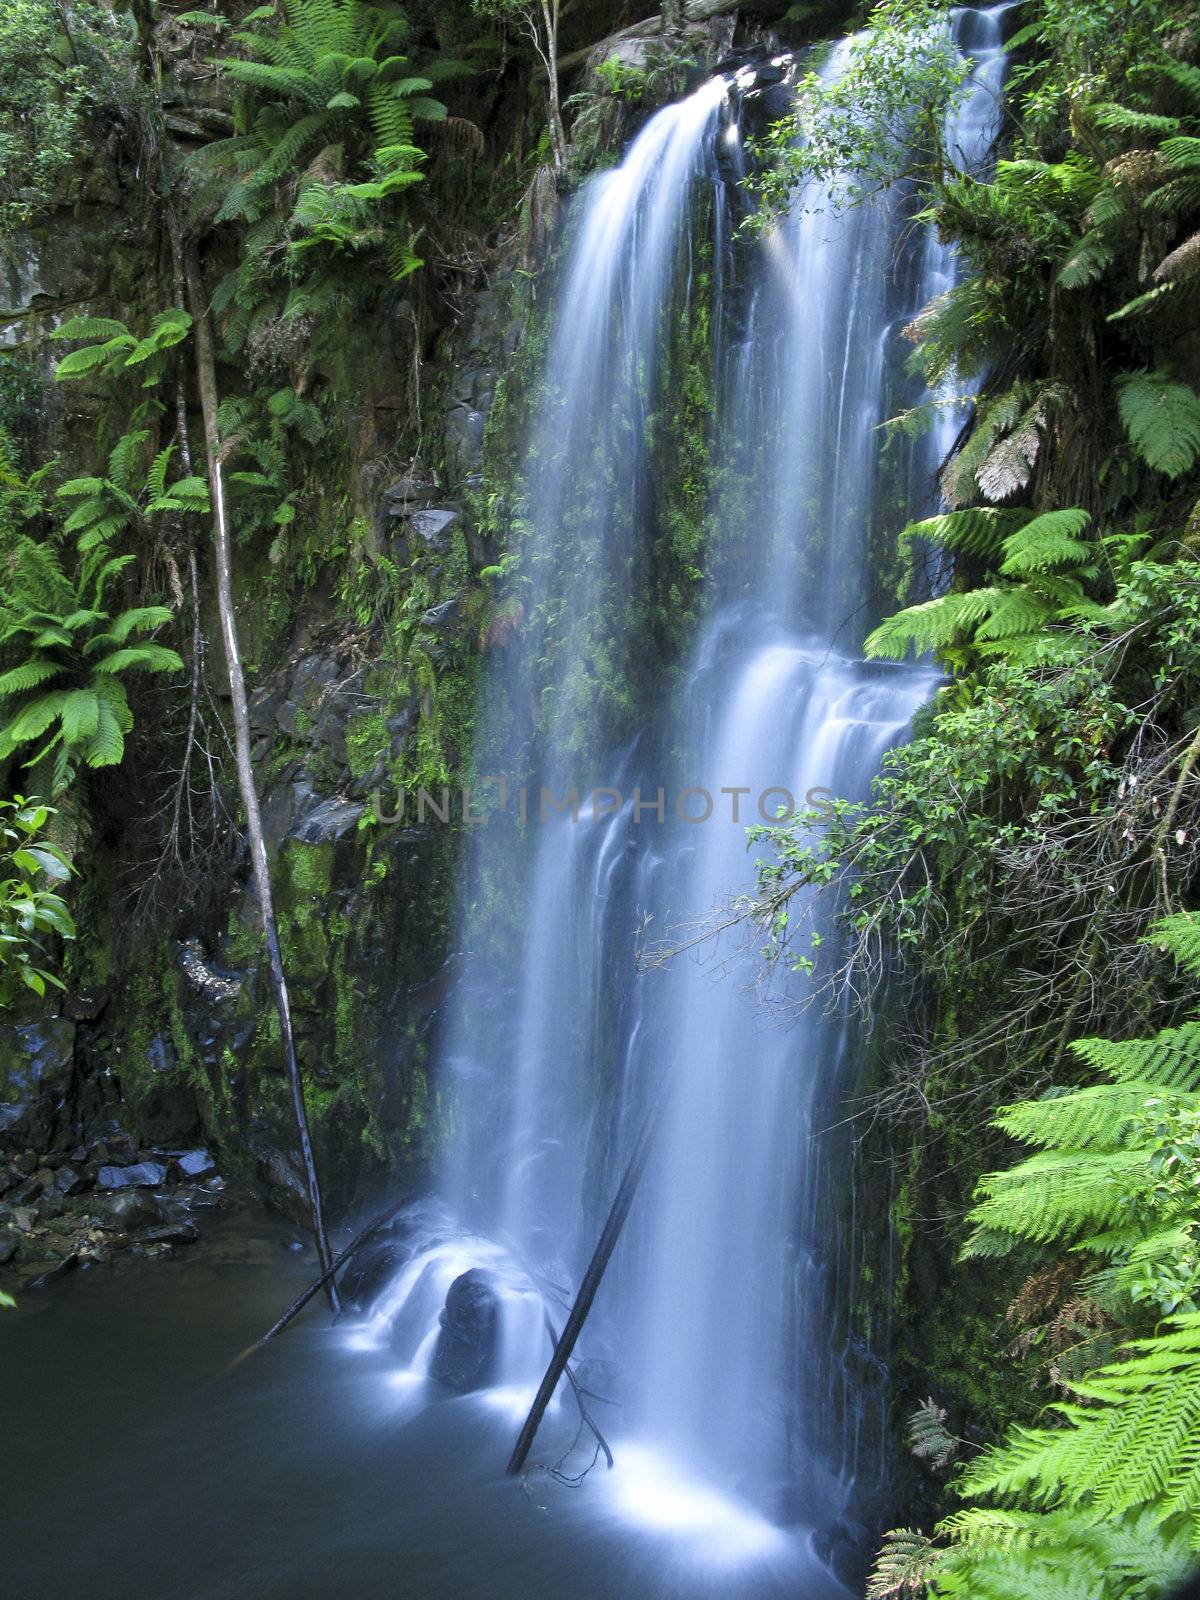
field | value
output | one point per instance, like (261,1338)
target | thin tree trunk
(558,134)
(207,382)
(591,1282)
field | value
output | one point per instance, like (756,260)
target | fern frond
(1054,1195)
(906,1562)
(90,328)
(1014,611)
(1170,1060)
(1048,541)
(148,657)
(31,673)
(1162,419)
(1089,260)
(1180,934)
(1099,1116)
(932,625)
(928,1436)
(976,530)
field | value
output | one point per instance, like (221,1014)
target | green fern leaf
(146,657)
(1180,934)
(31,673)
(1051,540)
(80,715)
(32,721)
(91,328)
(933,625)
(1170,1060)
(79,363)
(106,747)
(1162,419)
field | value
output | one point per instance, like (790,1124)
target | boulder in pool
(464,1357)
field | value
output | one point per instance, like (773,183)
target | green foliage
(66,647)
(58,68)
(321,161)
(1051,575)
(1111,1489)
(622,79)
(31,909)
(65,693)
(1162,419)
(902,76)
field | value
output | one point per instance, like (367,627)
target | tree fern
(1170,1060)
(86,713)
(1136,1445)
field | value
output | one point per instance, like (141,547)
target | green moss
(366,742)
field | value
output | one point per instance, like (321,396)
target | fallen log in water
(587,1289)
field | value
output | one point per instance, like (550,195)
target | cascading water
(718,1314)
(518,1054)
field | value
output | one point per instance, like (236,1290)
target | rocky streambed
(63,1209)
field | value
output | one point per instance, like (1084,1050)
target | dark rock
(25,1193)
(129,1210)
(115,1149)
(37,1065)
(85,1005)
(845,1547)
(52,1274)
(330,820)
(432,527)
(172,1233)
(12,1119)
(8,1247)
(40,1056)
(464,440)
(464,1357)
(25,1163)
(403,494)
(195,1164)
(284,1186)
(369,1269)
(69,1180)
(442,616)
(163,1107)
(142,1175)
(51,1204)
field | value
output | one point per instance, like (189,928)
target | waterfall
(719,1325)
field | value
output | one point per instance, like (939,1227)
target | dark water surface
(136,1461)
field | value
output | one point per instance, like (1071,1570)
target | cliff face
(363,623)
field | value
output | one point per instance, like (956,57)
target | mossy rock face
(37,1072)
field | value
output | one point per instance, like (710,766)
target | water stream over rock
(720,1329)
